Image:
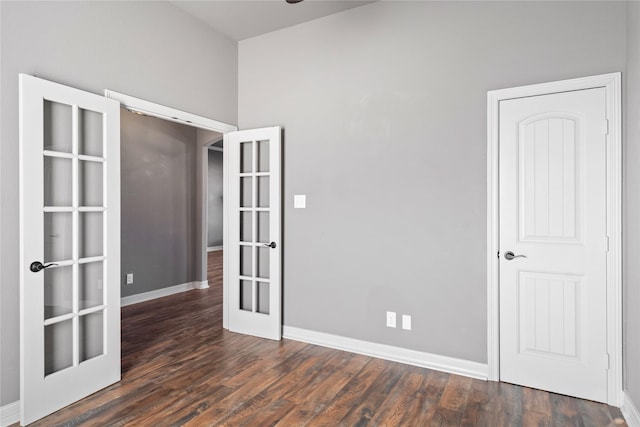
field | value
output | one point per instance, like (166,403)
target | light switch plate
(391,319)
(299,201)
(406,322)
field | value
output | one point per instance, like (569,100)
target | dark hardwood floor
(179,367)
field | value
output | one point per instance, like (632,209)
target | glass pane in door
(58,291)
(90,179)
(263,262)
(246,157)
(57,127)
(90,234)
(246,226)
(90,285)
(58,236)
(58,346)
(263,227)
(246,295)
(246,192)
(57,181)
(263,297)
(246,261)
(90,142)
(263,192)
(91,335)
(263,156)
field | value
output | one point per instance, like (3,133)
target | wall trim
(214,248)
(201,285)
(436,362)
(164,292)
(630,411)
(612,84)
(10,414)
(141,106)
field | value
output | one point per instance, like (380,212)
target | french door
(69,245)
(254,232)
(553,242)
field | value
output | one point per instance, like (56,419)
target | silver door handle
(510,255)
(271,245)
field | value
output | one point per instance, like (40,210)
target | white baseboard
(214,248)
(164,292)
(10,414)
(396,354)
(630,411)
(201,285)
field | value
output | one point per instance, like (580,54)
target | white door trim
(141,106)
(612,84)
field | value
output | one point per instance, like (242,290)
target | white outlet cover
(129,278)
(299,201)
(391,319)
(406,322)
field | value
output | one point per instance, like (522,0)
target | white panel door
(553,221)
(254,232)
(69,245)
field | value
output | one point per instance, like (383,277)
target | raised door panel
(549,311)
(550,185)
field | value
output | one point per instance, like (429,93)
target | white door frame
(141,106)
(612,84)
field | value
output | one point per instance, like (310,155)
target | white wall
(384,110)
(151,50)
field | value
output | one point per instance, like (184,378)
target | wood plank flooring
(180,368)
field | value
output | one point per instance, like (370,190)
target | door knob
(271,245)
(510,255)
(37,266)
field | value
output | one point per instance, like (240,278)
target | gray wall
(158,202)
(214,223)
(631,272)
(384,108)
(151,50)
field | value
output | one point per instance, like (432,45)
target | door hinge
(606,127)
(606,244)
(607,361)
(498,254)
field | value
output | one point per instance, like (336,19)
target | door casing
(612,84)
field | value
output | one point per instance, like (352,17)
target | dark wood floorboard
(180,368)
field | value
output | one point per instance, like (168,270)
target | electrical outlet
(129,278)
(406,322)
(391,319)
(299,201)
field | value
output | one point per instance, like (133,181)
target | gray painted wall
(631,253)
(151,50)
(158,202)
(214,190)
(385,131)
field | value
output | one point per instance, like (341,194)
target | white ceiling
(242,19)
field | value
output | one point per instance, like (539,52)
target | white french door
(553,242)
(254,232)
(69,245)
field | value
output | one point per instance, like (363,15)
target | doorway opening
(205,136)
